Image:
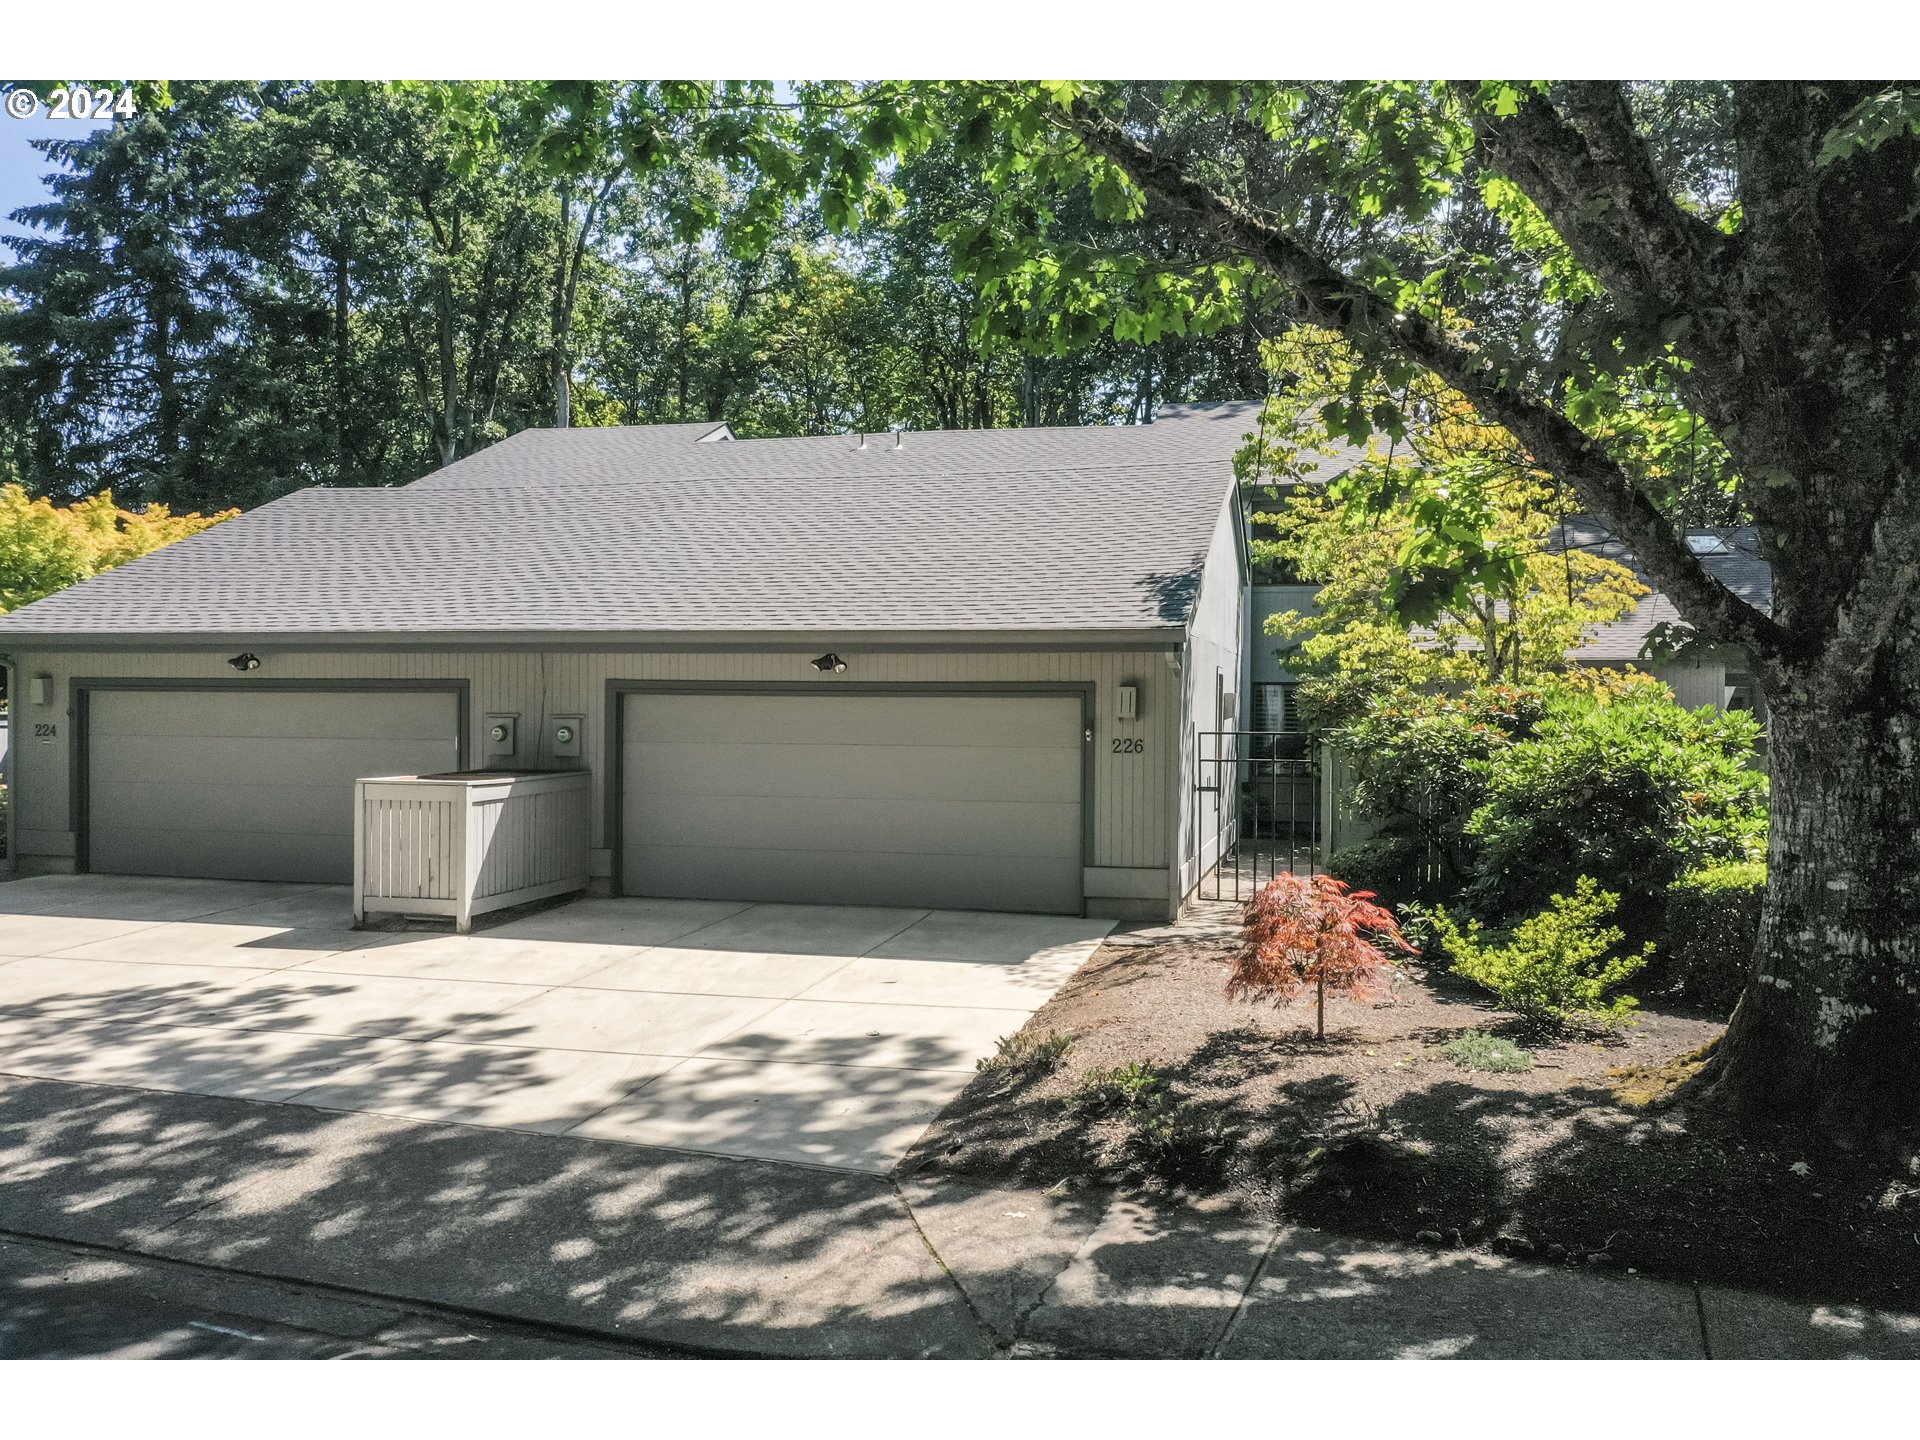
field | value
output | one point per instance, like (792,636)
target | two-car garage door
(962,801)
(967,801)
(249,786)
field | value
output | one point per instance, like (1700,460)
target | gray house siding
(1130,795)
(1212,682)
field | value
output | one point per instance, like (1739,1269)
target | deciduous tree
(46,547)
(1302,931)
(1777,304)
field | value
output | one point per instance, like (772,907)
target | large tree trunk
(1799,336)
(1826,1028)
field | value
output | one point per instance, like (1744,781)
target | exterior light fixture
(830,664)
(245,660)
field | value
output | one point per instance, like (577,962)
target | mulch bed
(1590,1158)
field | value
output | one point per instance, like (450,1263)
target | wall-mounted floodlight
(245,660)
(830,664)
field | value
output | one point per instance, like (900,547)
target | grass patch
(1477,1050)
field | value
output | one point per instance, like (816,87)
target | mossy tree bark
(1827,1029)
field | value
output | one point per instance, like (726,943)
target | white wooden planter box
(465,843)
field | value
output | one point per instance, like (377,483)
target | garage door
(254,786)
(963,802)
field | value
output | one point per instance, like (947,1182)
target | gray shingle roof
(634,454)
(563,541)
(1731,555)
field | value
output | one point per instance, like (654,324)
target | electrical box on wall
(564,736)
(1129,708)
(499,735)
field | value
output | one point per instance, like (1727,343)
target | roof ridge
(653,481)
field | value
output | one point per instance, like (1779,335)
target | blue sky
(21,166)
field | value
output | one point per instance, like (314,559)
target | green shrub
(1385,865)
(1420,765)
(1713,919)
(1418,930)
(1555,968)
(1633,793)
(1027,1053)
(1477,1050)
(1126,1087)
(1179,1141)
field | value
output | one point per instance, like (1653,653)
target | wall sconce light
(245,660)
(830,664)
(40,689)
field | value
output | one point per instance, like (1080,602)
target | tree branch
(1598,187)
(1888,574)
(1328,297)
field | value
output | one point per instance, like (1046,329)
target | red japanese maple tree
(1312,930)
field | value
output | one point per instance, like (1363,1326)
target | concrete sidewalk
(761,1258)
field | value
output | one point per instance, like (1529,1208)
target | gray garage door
(254,786)
(957,801)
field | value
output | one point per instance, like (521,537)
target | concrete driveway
(828,1035)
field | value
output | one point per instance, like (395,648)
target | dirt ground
(1590,1158)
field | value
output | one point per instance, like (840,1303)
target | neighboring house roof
(1731,555)
(602,532)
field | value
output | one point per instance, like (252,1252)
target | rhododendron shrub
(1304,931)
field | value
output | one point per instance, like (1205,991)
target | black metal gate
(1255,810)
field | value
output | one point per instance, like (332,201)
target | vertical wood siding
(1131,802)
(526,841)
(409,848)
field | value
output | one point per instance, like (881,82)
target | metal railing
(1256,811)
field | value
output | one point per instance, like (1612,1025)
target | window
(1275,708)
(1738,692)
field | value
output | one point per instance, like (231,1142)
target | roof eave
(1158,637)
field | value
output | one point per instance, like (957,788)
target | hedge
(1712,921)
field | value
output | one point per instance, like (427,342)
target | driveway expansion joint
(1002,1345)
(1218,1349)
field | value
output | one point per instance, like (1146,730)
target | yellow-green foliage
(1504,624)
(45,547)
(1555,968)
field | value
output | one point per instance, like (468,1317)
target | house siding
(1215,665)
(1264,649)
(1698,682)
(1130,800)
